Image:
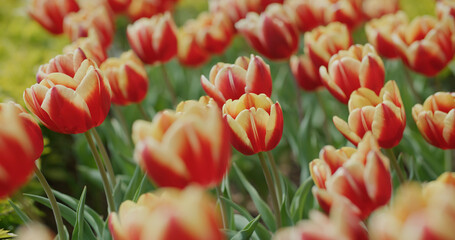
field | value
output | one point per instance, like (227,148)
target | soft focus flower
(348,70)
(168,214)
(190,52)
(72,99)
(127,78)
(34,231)
(348,12)
(190,145)
(238,9)
(309,14)
(418,212)
(50,13)
(119,6)
(231,81)
(436,119)
(445,8)
(272,33)
(21,143)
(214,31)
(361,176)
(256,123)
(379,33)
(67,64)
(427,44)
(91,46)
(378,8)
(154,39)
(147,8)
(381,114)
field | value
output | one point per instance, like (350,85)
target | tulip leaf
(78,230)
(138,192)
(134,184)
(300,198)
(118,194)
(248,230)
(19,212)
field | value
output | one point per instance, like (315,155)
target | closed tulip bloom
(348,70)
(361,176)
(308,14)
(348,12)
(127,78)
(168,214)
(21,143)
(154,39)
(50,13)
(67,64)
(91,46)
(436,118)
(379,33)
(378,8)
(426,45)
(238,9)
(68,103)
(256,123)
(183,147)
(214,32)
(190,52)
(147,8)
(272,33)
(119,6)
(381,114)
(231,81)
(305,73)
(445,8)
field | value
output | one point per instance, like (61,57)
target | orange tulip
(21,143)
(381,114)
(362,176)
(154,39)
(70,103)
(91,46)
(186,146)
(50,13)
(308,14)
(168,214)
(351,69)
(256,123)
(272,33)
(231,81)
(127,78)
(189,51)
(436,118)
(145,8)
(378,8)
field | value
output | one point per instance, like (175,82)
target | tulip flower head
(190,52)
(256,123)
(238,9)
(91,46)
(378,8)
(308,14)
(119,6)
(145,8)
(67,64)
(348,12)
(381,114)
(50,13)
(445,8)
(35,231)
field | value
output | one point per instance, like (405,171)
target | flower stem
(410,82)
(54,205)
(222,206)
(276,176)
(99,164)
(326,115)
(271,186)
(448,160)
(169,86)
(143,112)
(119,115)
(107,160)
(395,165)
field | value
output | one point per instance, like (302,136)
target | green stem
(54,205)
(143,112)
(219,193)
(107,160)
(119,115)
(276,177)
(326,114)
(169,86)
(271,186)
(99,164)
(395,165)
(448,160)
(410,82)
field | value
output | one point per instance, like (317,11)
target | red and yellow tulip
(50,13)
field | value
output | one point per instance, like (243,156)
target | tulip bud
(238,9)
(184,147)
(50,13)
(436,118)
(348,12)
(445,8)
(168,214)
(272,33)
(127,78)
(308,14)
(71,102)
(91,46)
(381,114)
(378,8)
(66,64)
(154,39)
(189,52)
(119,6)
(214,32)
(21,143)
(349,70)
(231,81)
(145,8)
(256,123)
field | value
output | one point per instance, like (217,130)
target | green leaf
(134,184)
(139,190)
(5,234)
(79,227)
(248,230)
(298,202)
(19,212)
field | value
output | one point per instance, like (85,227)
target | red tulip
(190,52)
(445,8)
(91,46)
(145,8)
(308,14)
(119,6)
(66,64)
(214,31)
(305,73)
(238,9)
(348,12)
(378,8)
(50,13)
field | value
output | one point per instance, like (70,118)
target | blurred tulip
(238,9)
(186,146)
(381,114)
(231,81)
(148,8)
(348,12)
(119,6)
(214,32)
(379,33)
(445,8)
(168,214)
(361,176)
(436,119)
(154,39)
(21,143)
(72,99)
(127,78)
(256,123)
(272,33)
(426,45)
(50,13)
(349,70)
(66,64)
(34,231)
(309,14)
(189,52)
(378,8)
(305,73)
(91,46)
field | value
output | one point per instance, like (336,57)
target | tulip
(379,33)
(305,73)
(231,81)
(381,114)
(185,146)
(91,46)
(362,176)
(214,31)
(308,14)
(168,214)
(426,45)
(154,39)
(34,231)
(238,9)
(272,33)
(190,52)
(436,118)
(145,8)
(445,8)
(21,143)
(348,12)
(127,78)
(50,13)
(71,99)
(119,6)
(378,8)
(255,122)
(349,70)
